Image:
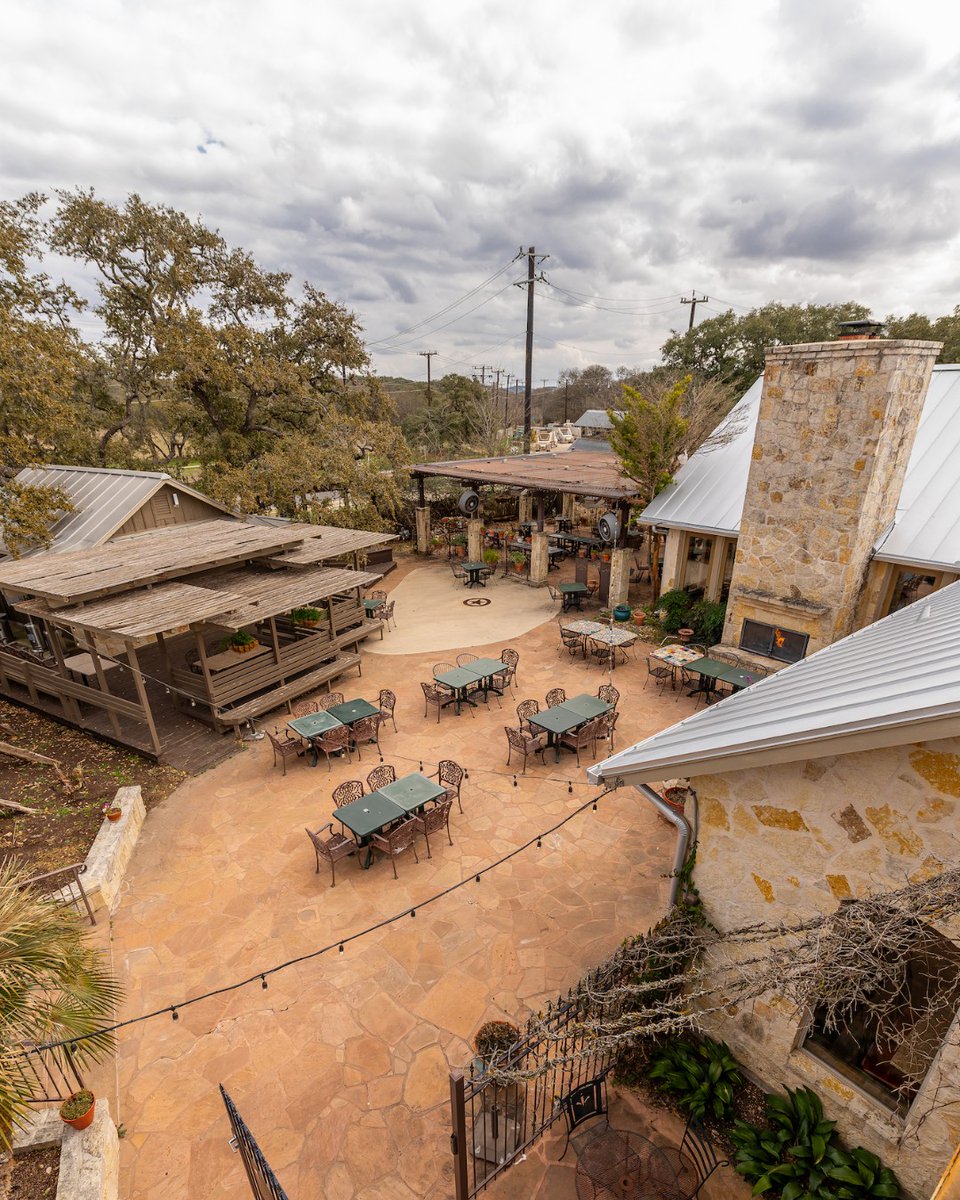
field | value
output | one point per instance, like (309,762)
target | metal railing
(46,1076)
(64,887)
(263,1183)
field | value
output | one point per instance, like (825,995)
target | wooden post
(142,693)
(540,512)
(104,686)
(275,640)
(208,678)
(68,702)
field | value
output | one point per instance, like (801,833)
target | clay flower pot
(684,635)
(113,813)
(83,1104)
(639,616)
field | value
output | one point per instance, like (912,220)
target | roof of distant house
(708,491)
(595,418)
(104,500)
(891,683)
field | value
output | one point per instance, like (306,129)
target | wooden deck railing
(39,679)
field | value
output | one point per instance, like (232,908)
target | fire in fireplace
(772,641)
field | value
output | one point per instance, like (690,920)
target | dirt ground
(68,817)
(31,1176)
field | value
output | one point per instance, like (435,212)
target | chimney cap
(846,330)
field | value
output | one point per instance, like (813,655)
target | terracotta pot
(113,814)
(639,616)
(519,568)
(81,1122)
(309,624)
(684,635)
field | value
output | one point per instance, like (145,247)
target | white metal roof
(708,491)
(595,418)
(894,682)
(104,499)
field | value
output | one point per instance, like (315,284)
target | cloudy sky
(398,153)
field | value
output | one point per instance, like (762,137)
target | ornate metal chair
(401,837)
(695,1161)
(606,724)
(388,703)
(333,741)
(347,792)
(464,660)
(555,696)
(388,613)
(329,700)
(459,574)
(451,774)
(432,820)
(608,694)
(584,1103)
(331,849)
(365,731)
(284,747)
(579,739)
(305,708)
(524,743)
(570,641)
(434,694)
(380,776)
(512,659)
(660,671)
(525,710)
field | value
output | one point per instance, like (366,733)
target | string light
(263,982)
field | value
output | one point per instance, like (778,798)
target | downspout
(684,833)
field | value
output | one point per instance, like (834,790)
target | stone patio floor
(341,1066)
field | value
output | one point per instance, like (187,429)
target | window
(696,570)
(886,1047)
(911,585)
(770,640)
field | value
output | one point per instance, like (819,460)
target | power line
(620,311)
(631,312)
(443,311)
(446,324)
(339,944)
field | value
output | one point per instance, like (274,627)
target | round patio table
(624,1165)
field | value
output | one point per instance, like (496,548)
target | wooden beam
(71,706)
(142,693)
(104,686)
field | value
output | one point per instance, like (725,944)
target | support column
(526,507)
(619,592)
(539,559)
(718,556)
(474,541)
(423,529)
(568,502)
(674,557)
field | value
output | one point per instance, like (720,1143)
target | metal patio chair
(451,774)
(521,742)
(432,820)
(401,837)
(331,849)
(380,776)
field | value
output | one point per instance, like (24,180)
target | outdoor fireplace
(786,645)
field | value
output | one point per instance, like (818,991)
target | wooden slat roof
(577,472)
(139,616)
(152,557)
(329,541)
(253,595)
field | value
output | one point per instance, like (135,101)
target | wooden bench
(240,713)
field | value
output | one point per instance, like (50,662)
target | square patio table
(352,710)
(458,680)
(710,670)
(412,792)
(312,726)
(486,669)
(676,655)
(572,594)
(369,815)
(473,570)
(371,606)
(587,706)
(555,721)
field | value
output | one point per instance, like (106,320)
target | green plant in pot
(491,557)
(78,1110)
(307,616)
(239,641)
(519,560)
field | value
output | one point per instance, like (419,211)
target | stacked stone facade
(790,842)
(835,430)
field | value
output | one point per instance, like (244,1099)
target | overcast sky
(398,153)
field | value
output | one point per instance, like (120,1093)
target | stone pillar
(423,529)
(474,541)
(526,507)
(834,434)
(718,556)
(619,592)
(539,559)
(673,554)
(568,502)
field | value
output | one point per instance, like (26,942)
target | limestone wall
(834,434)
(792,840)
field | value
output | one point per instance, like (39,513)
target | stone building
(837,777)
(827,498)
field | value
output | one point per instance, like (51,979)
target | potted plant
(77,1110)
(605,556)
(684,635)
(459,543)
(310,617)
(491,557)
(240,642)
(639,616)
(112,811)
(519,560)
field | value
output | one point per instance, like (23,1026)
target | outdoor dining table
(486,670)
(371,606)
(614,638)
(554,553)
(572,713)
(311,726)
(711,670)
(378,810)
(676,655)
(474,571)
(572,594)
(459,679)
(624,1165)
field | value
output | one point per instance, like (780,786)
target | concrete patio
(340,1067)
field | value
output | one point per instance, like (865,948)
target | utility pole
(528,283)
(483,369)
(566,396)
(506,399)
(693,302)
(427,354)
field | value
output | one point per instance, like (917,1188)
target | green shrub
(238,638)
(702,1076)
(491,557)
(858,1174)
(306,614)
(706,619)
(675,607)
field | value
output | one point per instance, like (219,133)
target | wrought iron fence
(495,1122)
(263,1183)
(46,1076)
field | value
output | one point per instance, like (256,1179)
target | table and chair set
(608,644)
(708,678)
(570,724)
(462,684)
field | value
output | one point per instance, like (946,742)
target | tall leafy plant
(703,1076)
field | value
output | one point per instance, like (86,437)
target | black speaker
(469,503)
(608,527)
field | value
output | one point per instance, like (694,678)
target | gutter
(684,833)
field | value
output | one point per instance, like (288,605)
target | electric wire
(446,324)
(447,308)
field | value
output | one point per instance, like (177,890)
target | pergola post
(142,693)
(568,502)
(525,507)
(619,590)
(423,529)
(71,705)
(539,559)
(474,540)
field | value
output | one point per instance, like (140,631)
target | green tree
(27,514)
(731,348)
(53,985)
(922,328)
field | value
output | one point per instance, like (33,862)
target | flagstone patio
(340,1067)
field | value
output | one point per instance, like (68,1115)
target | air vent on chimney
(849,330)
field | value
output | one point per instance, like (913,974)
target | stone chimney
(834,435)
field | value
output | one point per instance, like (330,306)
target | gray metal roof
(708,491)
(595,418)
(892,683)
(104,499)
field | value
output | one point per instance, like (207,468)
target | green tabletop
(314,724)
(372,605)
(458,678)
(572,589)
(557,719)
(587,706)
(485,667)
(712,668)
(369,814)
(412,791)
(474,566)
(353,710)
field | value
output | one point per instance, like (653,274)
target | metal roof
(892,683)
(578,472)
(595,418)
(104,499)
(708,491)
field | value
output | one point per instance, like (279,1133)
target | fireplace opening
(772,641)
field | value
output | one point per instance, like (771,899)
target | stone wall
(790,841)
(112,849)
(836,426)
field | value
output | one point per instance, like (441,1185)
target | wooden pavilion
(130,640)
